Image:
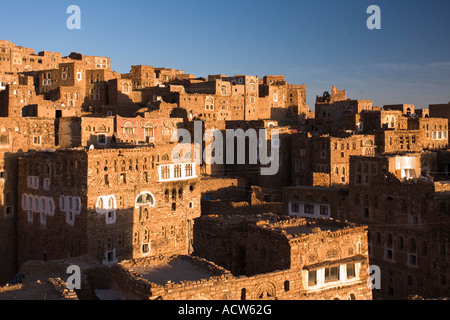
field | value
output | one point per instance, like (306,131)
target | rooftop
(174,269)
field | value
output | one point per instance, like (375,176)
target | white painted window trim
(106,262)
(136,205)
(320,277)
(172,172)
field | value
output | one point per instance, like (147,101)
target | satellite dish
(91,147)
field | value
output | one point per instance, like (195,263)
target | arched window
(145,199)
(100,203)
(209,103)
(111,203)
(165,157)
(128,128)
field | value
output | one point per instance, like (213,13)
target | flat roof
(175,270)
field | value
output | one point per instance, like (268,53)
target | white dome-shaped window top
(145,199)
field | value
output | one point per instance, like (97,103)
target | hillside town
(93,174)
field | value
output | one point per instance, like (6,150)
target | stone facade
(408,221)
(112,204)
(16,137)
(313,260)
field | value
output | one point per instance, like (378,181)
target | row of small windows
(330,274)
(410,246)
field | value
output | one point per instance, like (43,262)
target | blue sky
(320,43)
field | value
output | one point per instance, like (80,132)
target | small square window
(110,256)
(146,248)
(102,139)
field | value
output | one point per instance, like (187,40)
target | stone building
(397,132)
(112,204)
(261,258)
(407,216)
(324,160)
(15,59)
(333,111)
(16,137)
(261,141)
(146,130)
(440,111)
(315,202)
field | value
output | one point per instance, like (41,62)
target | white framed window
(145,199)
(30,216)
(295,207)
(43,218)
(70,218)
(275,97)
(46,183)
(35,183)
(110,257)
(107,205)
(312,278)
(111,217)
(30,182)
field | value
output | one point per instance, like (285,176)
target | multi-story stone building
(324,160)
(316,202)
(407,215)
(113,204)
(17,136)
(312,259)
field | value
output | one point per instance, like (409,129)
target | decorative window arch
(128,128)
(145,199)
(209,103)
